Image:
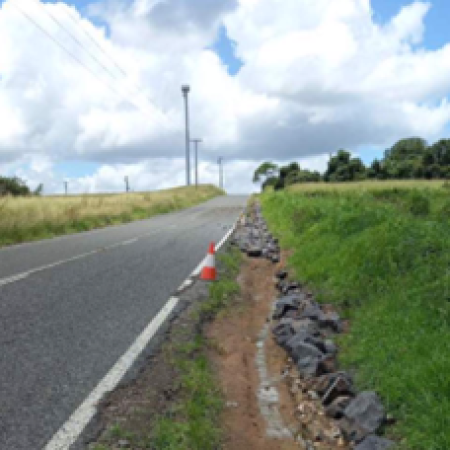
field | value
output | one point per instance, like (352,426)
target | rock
(312,311)
(290,287)
(254,251)
(275,259)
(123,443)
(373,442)
(363,416)
(281,274)
(331,320)
(330,347)
(336,408)
(284,304)
(324,382)
(305,325)
(341,385)
(328,364)
(299,350)
(308,366)
(283,332)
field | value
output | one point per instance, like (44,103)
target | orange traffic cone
(209,269)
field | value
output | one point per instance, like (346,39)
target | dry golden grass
(29,218)
(368,185)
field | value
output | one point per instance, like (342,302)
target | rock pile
(331,413)
(254,238)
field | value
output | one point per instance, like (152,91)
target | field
(30,218)
(381,252)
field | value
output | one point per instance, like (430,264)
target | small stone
(281,274)
(123,443)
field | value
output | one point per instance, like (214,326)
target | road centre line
(23,275)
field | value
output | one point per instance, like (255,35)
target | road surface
(70,307)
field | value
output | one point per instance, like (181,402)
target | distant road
(70,307)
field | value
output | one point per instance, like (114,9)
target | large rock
(285,304)
(308,366)
(312,311)
(373,442)
(363,416)
(336,408)
(301,349)
(325,382)
(254,251)
(341,385)
(331,320)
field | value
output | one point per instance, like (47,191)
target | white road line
(13,279)
(68,434)
(21,276)
(71,430)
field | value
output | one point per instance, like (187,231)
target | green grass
(194,422)
(31,218)
(383,256)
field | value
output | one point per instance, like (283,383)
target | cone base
(208,274)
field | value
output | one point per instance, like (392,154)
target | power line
(73,56)
(80,26)
(74,38)
(94,41)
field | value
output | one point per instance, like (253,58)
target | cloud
(317,76)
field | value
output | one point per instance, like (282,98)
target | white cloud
(318,75)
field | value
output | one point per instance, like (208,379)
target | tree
(265,171)
(407,149)
(344,168)
(13,186)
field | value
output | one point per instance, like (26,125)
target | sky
(90,91)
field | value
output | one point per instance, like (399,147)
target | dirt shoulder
(234,337)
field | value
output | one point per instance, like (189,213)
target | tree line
(410,158)
(17,188)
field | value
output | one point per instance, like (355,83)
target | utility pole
(185,90)
(196,142)
(66,187)
(127,184)
(220,162)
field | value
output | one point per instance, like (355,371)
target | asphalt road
(71,306)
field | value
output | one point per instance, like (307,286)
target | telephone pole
(220,162)
(66,187)
(127,184)
(196,142)
(185,90)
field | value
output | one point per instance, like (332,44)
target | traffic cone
(209,269)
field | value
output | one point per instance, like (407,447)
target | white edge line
(68,434)
(72,429)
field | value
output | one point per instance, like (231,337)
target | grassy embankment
(31,218)
(381,251)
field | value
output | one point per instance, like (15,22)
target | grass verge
(383,256)
(193,421)
(32,218)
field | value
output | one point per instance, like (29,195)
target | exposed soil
(233,340)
